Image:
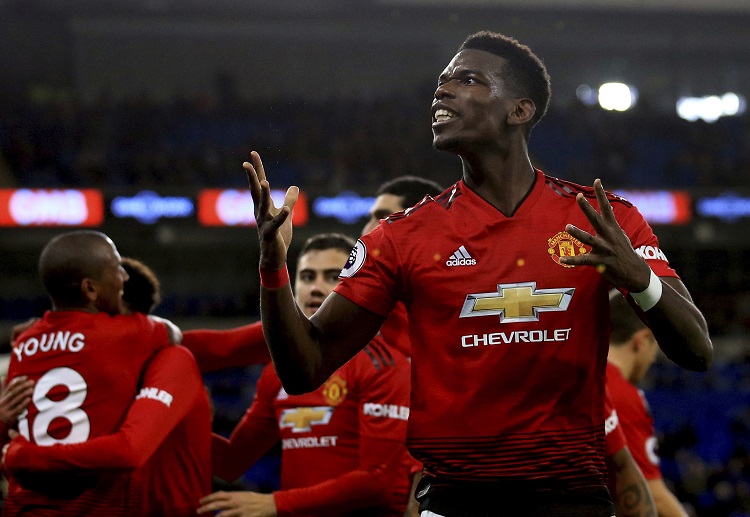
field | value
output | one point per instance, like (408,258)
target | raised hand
(611,250)
(274,224)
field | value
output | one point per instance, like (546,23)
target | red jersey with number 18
(86,369)
(508,344)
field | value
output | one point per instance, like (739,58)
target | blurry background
(148,108)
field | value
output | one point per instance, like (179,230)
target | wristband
(651,296)
(274,278)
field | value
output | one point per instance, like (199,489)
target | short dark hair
(69,258)
(142,292)
(412,188)
(327,241)
(623,320)
(525,73)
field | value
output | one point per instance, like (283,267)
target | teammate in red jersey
(167,431)
(632,350)
(505,278)
(343,445)
(166,434)
(85,360)
(394,196)
(626,483)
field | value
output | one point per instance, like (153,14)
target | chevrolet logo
(517,302)
(302,419)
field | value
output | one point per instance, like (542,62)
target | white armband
(651,295)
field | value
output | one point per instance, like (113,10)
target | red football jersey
(86,368)
(343,445)
(636,420)
(508,345)
(395,330)
(614,440)
(167,433)
(614,436)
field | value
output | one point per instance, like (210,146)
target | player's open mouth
(443,115)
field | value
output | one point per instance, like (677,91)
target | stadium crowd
(341,144)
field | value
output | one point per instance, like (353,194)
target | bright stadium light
(711,108)
(733,104)
(617,96)
(688,108)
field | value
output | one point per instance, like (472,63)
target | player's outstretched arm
(676,322)
(230,348)
(632,496)
(171,383)
(667,505)
(304,352)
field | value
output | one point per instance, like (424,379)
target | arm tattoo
(634,502)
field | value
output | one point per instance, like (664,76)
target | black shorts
(511,499)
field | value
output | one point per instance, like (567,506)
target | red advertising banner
(661,206)
(218,207)
(51,207)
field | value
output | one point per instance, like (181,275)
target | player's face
(111,283)
(385,205)
(471,104)
(317,275)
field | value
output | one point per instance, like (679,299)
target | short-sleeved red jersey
(343,445)
(508,345)
(636,420)
(395,330)
(86,368)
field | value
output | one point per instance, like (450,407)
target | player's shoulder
(124,322)
(427,209)
(569,190)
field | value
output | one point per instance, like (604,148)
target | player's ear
(523,111)
(89,289)
(642,338)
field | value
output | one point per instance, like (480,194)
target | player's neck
(67,308)
(502,180)
(626,369)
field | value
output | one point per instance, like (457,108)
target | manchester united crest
(334,390)
(565,245)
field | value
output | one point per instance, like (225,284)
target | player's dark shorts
(511,499)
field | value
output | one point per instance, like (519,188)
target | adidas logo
(461,257)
